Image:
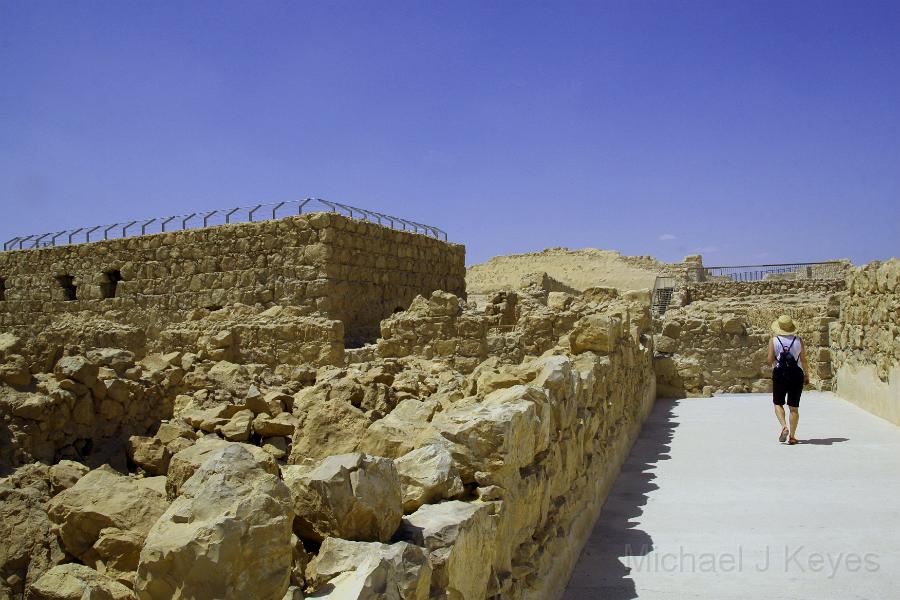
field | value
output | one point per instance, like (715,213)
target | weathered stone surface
(77,368)
(399,432)
(78,582)
(102,499)
(370,570)
(237,429)
(427,474)
(351,496)
(332,427)
(29,548)
(596,333)
(65,474)
(227,536)
(149,453)
(282,424)
(503,431)
(185,463)
(460,539)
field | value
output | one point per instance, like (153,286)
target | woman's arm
(771,356)
(804,364)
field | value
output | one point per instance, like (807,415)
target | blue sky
(748,131)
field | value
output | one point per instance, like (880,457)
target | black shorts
(791,390)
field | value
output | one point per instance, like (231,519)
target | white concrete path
(710,505)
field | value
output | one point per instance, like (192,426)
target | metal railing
(203,219)
(663,289)
(789,271)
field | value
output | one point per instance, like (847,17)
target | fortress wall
(865,342)
(721,345)
(353,271)
(742,289)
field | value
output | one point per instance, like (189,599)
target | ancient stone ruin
(315,407)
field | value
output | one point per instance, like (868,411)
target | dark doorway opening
(2,289)
(113,277)
(67,283)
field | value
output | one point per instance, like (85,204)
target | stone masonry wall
(865,342)
(742,289)
(353,271)
(721,345)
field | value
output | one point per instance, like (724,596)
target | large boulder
(78,582)
(351,496)
(597,333)
(327,428)
(460,539)
(104,502)
(227,536)
(427,474)
(501,433)
(77,368)
(29,548)
(405,428)
(370,570)
(184,463)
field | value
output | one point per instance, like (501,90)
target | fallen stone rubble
(452,459)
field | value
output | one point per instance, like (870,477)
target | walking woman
(786,355)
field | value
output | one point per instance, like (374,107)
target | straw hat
(784,325)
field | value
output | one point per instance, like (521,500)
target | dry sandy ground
(579,269)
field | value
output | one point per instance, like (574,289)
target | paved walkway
(710,505)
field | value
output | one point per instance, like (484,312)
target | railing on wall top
(202,219)
(789,271)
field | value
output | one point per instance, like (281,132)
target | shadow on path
(823,441)
(600,572)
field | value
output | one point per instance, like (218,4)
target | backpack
(786,369)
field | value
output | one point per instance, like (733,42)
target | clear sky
(747,131)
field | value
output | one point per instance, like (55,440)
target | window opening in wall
(2,288)
(113,277)
(67,283)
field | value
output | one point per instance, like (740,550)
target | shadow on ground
(600,573)
(823,441)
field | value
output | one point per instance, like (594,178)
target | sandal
(793,441)
(783,435)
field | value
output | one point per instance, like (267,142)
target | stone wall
(741,289)
(344,269)
(472,479)
(721,346)
(865,342)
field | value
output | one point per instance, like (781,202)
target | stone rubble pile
(462,459)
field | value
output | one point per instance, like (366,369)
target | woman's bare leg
(779,413)
(795,418)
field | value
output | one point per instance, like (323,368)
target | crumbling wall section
(721,345)
(716,290)
(865,342)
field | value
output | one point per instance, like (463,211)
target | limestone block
(405,428)
(427,474)
(227,536)
(596,332)
(665,344)
(78,582)
(76,368)
(149,453)
(359,570)
(503,431)
(460,538)
(65,474)
(352,496)
(326,428)
(102,499)
(237,429)
(283,424)
(185,463)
